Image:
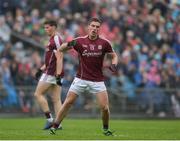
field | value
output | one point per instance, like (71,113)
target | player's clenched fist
(113,68)
(38,74)
(59,80)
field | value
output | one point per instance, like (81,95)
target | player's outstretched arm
(67,46)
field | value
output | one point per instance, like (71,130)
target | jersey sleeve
(77,46)
(108,47)
(57,41)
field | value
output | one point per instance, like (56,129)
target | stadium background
(145,35)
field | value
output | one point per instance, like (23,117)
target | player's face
(49,29)
(93,29)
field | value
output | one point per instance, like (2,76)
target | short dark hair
(95,19)
(51,23)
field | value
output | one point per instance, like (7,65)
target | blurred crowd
(144,33)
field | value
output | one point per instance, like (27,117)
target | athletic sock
(60,125)
(105,127)
(49,116)
(56,125)
(50,119)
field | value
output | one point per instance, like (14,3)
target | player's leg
(70,99)
(100,90)
(56,99)
(40,91)
(77,87)
(103,101)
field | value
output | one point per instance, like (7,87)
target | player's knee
(36,95)
(105,108)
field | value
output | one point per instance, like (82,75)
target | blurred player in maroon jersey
(50,74)
(91,51)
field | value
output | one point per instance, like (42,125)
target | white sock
(50,119)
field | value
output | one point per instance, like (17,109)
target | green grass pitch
(90,129)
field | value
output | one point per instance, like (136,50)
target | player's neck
(92,37)
(52,34)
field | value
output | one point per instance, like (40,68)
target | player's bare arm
(59,57)
(43,67)
(66,46)
(114,58)
(63,47)
(114,61)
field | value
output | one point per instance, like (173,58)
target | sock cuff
(48,114)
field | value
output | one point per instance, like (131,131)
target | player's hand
(59,80)
(113,68)
(71,43)
(38,74)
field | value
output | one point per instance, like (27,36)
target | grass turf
(90,129)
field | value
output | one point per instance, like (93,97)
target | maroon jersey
(50,58)
(91,55)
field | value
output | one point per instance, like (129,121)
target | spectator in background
(11,100)
(4,28)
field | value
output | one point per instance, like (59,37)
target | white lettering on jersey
(85,46)
(93,54)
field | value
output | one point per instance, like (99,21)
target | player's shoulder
(56,39)
(57,35)
(103,39)
(81,37)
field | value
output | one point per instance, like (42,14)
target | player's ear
(88,28)
(54,27)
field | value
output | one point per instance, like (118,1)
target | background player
(49,75)
(91,51)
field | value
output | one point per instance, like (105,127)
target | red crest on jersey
(99,47)
(92,46)
(85,46)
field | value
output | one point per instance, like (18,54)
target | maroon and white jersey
(91,55)
(50,58)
